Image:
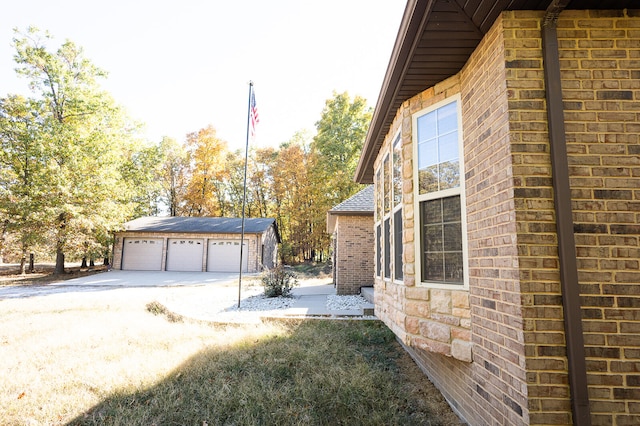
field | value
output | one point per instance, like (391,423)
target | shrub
(279,282)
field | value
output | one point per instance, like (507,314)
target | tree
(335,151)
(342,129)
(83,134)
(205,190)
(172,174)
(292,197)
(23,178)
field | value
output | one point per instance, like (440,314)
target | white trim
(460,190)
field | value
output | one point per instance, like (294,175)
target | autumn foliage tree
(206,155)
(296,183)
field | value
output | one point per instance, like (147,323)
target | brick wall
(354,253)
(600,63)
(254,242)
(599,53)
(519,369)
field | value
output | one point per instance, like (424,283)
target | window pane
(448,147)
(387,185)
(438,151)
(453,268)
(427,126)
(447,118)
(397,173)
(433,237)
(433,269)
(451,209)
(432,211)
(453,237)
(449,175)
(378,251)
(428,180)
(387,249)
(441,240)
(427,153)
(378,196)
(397,244)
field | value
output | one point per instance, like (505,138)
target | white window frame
(458,191)
(389,216)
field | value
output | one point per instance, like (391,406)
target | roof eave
(415,16)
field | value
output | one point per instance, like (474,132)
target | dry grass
(43,274)
(104,358)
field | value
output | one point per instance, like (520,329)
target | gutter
(564,219)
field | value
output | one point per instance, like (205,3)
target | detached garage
(196,244)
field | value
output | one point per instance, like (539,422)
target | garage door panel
(224,256)
(142,254)
(185,254)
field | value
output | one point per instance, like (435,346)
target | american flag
(254,118)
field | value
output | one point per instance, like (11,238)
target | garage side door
(184,254)
(224,256)
(142,254)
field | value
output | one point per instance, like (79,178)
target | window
(440,195)
(388,205)
(396,164)
(378,218)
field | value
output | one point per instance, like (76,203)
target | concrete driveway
(126,279)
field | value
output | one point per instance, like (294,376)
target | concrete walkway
(204,296)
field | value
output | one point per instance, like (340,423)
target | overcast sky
(179,66)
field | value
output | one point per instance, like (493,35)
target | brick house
(350,224)
(505,153)
(195,244)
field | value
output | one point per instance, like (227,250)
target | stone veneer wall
(354,251)
(253,240)
(519,369)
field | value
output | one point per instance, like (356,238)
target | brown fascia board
(413,21)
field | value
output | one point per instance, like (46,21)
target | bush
(279,282)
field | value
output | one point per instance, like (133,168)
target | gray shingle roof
(199,225)
(362,202)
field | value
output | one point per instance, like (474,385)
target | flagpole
(244,189)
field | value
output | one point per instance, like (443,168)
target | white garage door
(142,254)
(184,254)
(224,256)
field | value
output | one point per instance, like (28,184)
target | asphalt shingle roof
(200,225)
(361,202)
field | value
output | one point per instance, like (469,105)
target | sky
(179,66)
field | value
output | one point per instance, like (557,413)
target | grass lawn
(102,358)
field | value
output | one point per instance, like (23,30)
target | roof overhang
(435,40)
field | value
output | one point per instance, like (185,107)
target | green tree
(23,177)
(85,134)
(340,136)
(335,150)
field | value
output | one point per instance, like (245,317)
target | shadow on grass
(317,373)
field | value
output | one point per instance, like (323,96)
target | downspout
(564,219)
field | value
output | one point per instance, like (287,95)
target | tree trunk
(62,225)
(83,265)
(59,262)
(3,236)
(23,262)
